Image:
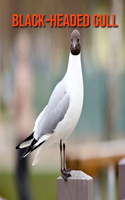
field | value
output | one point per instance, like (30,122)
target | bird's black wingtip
(17,147)
(28,138)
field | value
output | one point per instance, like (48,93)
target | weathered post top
(78,187)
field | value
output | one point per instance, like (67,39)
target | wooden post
(121,179)
(78,187)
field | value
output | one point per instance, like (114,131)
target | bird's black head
(75,43)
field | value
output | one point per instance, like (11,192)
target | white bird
(60,117)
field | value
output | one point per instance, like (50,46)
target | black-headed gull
(60,117)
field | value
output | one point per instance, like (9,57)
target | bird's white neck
(74,66)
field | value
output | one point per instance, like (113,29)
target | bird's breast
(75,89)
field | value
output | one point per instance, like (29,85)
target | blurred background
(32,61)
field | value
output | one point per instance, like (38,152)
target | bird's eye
(71,39)
(78,40)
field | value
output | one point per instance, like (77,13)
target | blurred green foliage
(43,186)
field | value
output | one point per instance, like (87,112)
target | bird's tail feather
(26,142)
(40,150)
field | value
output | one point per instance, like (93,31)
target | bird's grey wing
(39,118)
(55,111)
